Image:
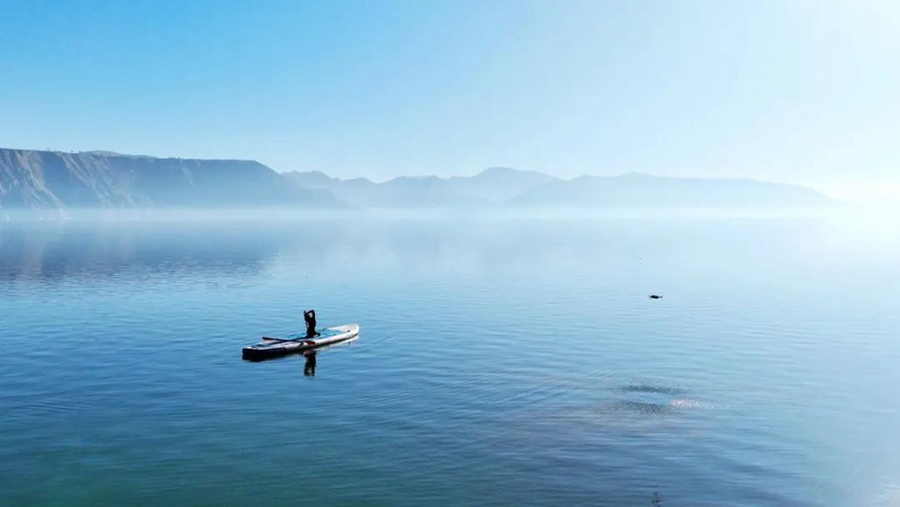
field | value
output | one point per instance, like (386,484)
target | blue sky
(797,91)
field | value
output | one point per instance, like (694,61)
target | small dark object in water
(655,296)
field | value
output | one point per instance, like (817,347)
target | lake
(502,360)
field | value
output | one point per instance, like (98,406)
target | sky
(790,90)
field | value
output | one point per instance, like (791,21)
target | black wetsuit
(310,317)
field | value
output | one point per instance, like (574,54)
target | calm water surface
(501,362)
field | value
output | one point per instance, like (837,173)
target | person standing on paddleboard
(310,317)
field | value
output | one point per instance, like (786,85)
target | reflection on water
(55,250)
(311,356)
(58,251)
(309,368)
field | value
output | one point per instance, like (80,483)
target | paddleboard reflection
(309,369)
(309,366)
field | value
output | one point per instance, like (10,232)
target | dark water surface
(501,362)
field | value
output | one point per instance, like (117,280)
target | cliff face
(23,182)
(43,179)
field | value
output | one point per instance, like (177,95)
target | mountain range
(103,179)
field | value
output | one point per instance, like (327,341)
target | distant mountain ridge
(641,190)
(499,186)
(492,187)
(103,179)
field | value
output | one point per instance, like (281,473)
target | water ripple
(492,369)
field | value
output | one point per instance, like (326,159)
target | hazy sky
(798,91)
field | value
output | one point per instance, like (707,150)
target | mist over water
(503,359)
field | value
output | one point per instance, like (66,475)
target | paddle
(281,340)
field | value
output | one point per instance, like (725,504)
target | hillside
(43,179)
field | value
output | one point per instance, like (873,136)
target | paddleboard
(298,342)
